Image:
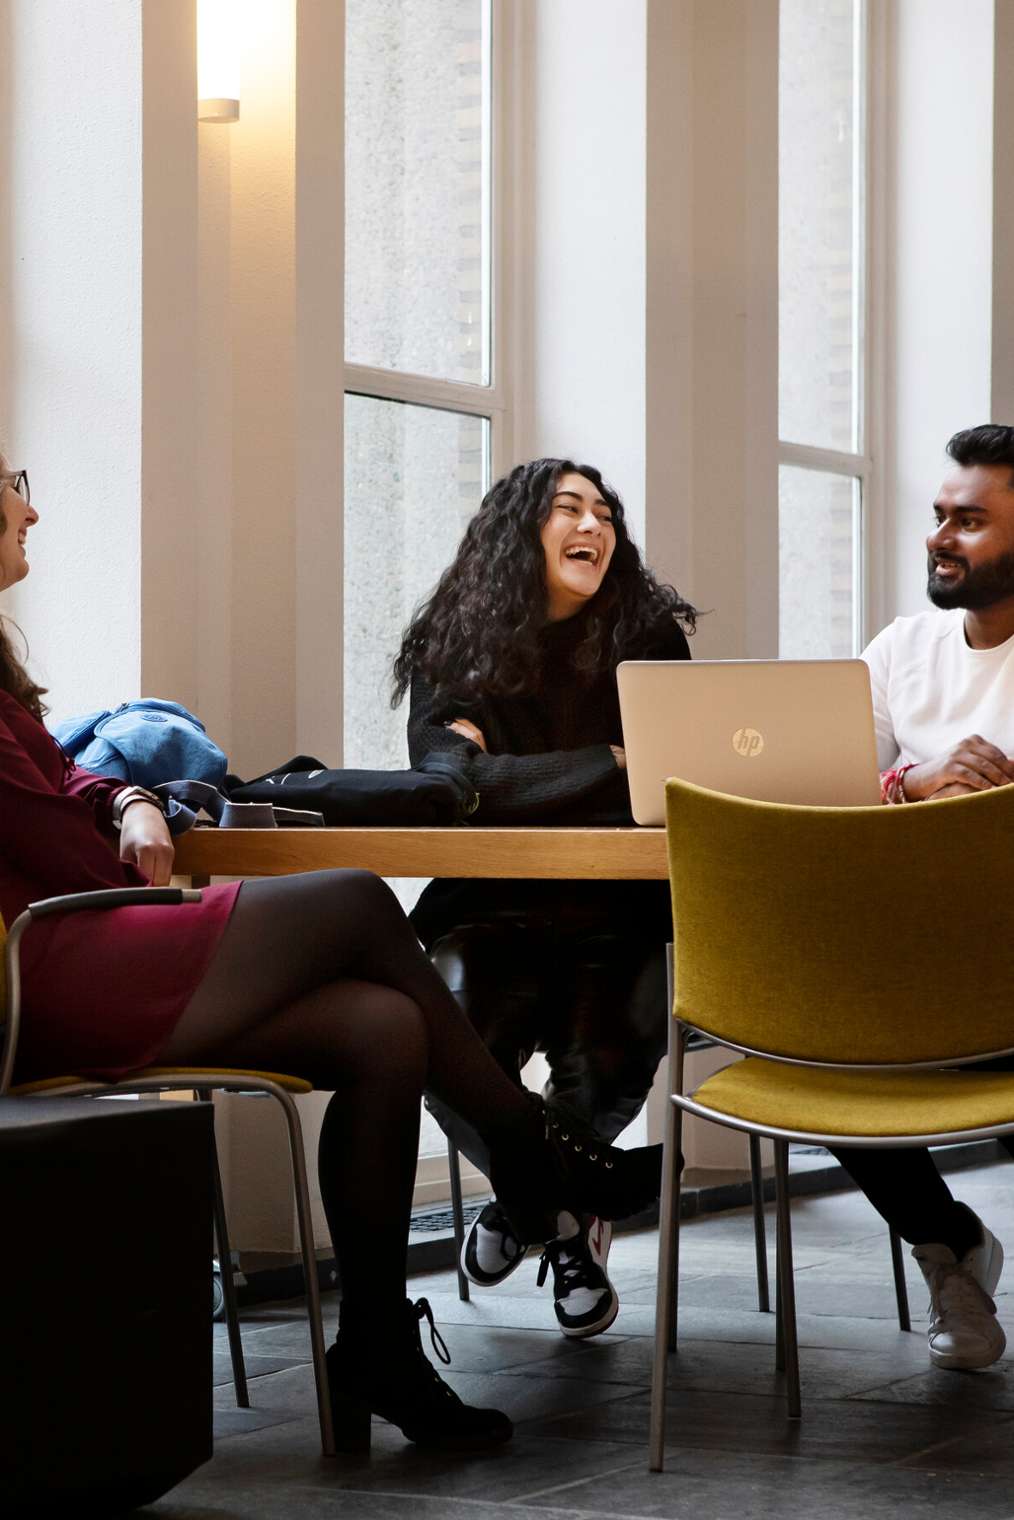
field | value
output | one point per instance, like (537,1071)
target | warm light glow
(217,60)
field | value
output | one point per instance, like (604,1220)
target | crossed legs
(321,975)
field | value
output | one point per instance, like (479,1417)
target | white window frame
(864,465)
(492,402)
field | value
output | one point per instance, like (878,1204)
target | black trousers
(592,999)
(907,1190)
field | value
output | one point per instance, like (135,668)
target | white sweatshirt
(930,689)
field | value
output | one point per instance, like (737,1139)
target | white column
(939,262)
(72,331)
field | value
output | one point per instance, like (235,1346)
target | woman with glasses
(318,975)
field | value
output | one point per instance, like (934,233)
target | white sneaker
(491,1250)
(585,1301)
(964,1332)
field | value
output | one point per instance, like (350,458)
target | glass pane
(818,554)
(417,187)
(819,223)
(413,478)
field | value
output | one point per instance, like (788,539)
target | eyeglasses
(21,486)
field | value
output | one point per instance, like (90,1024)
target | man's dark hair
(991,443)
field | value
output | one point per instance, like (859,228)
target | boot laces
(424,1312)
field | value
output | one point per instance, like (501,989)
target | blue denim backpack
(146,742)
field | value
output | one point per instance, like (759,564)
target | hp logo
(748,742)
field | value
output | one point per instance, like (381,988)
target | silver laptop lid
(779,730)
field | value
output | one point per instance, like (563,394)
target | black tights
(321,976)
(905,1187)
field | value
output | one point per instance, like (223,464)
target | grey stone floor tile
(830,1331)
(881,1433)
(523,1398)
(255,1364)
(318,1504)
(738,1423)
(993,1388)
(291,1456)
(231,1421)
(782,1488)
(734,1368)
(986,1447)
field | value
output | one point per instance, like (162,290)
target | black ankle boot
(381,1368)
(572,1168)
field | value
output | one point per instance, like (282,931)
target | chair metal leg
(779,1323)
(900,1285)
(203,1095)
(666,1293)
(457,1215)
(759,1232)
(303,1216)
(786,1283)
(677,1203)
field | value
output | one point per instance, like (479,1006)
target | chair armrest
(70,902)
(114,897)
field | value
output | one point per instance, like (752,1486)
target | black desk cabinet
(105,1302)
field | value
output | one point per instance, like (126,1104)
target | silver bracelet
(122,801)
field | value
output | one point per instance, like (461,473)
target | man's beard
(992,582)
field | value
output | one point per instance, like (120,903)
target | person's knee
(389,1023)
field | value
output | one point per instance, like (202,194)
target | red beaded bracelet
(892,783)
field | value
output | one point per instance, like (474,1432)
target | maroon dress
(102,991)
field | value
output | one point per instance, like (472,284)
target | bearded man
(943,697)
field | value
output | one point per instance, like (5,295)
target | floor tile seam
(560,1488)
(258,1430)
(620,1398)
(937,1447)
(463,1499)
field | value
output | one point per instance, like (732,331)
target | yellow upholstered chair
(202,1081)
(852,954)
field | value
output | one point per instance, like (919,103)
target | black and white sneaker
(586,1301)
(491,1250)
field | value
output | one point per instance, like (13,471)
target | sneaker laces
(572,1268)
(506,1232)
(953,1290)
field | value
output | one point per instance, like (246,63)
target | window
(825,468)
(425,414)
(424,411)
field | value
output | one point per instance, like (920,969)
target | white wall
(71,333)
(939,262)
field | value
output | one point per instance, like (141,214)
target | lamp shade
(217,60)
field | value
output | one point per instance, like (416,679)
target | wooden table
(608,854)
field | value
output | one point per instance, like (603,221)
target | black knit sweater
(548,761)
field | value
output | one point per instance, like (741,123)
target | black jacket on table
(548,761)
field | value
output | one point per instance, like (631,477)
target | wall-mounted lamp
(217,60)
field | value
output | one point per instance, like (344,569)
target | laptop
(779,730)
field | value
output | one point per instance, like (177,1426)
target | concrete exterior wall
(939,262)
(586,351)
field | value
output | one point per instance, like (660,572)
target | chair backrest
(845,935)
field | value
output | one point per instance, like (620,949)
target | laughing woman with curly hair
(511,663)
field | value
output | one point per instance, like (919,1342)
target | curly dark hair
(14,678)
(478,633)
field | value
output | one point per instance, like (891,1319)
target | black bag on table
(436,793)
